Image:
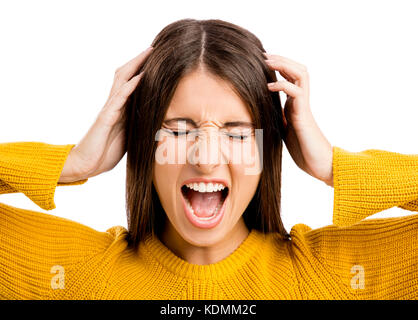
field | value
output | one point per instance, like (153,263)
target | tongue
(204,203)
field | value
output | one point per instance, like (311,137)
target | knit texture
(47,257)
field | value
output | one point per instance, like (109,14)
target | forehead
(202,96)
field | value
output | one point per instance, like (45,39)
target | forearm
(329,179)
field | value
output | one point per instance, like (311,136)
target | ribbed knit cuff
(34,168)
(371,181)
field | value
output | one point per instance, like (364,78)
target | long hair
(226,51)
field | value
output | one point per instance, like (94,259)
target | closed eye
(175,133)
(237,137)
(179,133)
(239,134)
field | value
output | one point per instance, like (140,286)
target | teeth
(209,187)
(206,187)
(202,187)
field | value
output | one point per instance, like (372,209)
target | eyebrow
(226,124)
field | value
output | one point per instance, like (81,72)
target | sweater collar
(243,255)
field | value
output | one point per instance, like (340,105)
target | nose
(206,153)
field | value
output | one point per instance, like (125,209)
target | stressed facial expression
(207,164)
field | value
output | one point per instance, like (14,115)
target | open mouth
(204,202)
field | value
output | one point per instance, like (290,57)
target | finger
(279,57)
(122,94)
(125,73)
(290,72)
(125,91)
(287,87)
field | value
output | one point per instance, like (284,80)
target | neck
(207,254)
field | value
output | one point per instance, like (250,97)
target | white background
(57,62)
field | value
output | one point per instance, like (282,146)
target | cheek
(246,156)
(165,181)
(165,169)
(171,150)
(244,188)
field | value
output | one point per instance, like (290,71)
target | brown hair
(231,53)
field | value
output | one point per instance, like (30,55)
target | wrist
(329,179)
(69,172)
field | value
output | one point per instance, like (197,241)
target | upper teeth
(206,187)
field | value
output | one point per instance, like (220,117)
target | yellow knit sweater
(47,257)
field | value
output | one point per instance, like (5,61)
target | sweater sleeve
(367,259)
(372,259)
(41,255)
(371,181)
(33,168)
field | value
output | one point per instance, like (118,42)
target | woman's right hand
(102,147)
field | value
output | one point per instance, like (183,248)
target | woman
(201,229)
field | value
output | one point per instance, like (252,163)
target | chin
(205,238)
(201,237)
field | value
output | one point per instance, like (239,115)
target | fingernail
(270,85)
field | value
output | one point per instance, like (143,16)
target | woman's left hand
(305,142)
